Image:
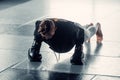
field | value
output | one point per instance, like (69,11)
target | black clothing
(66,36)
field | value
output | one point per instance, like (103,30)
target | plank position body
(62,35)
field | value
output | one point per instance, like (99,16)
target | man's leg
(33,52)
(91,30)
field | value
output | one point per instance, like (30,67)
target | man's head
(47,29)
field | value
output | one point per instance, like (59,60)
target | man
(61,35)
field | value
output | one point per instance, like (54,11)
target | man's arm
(37,37)
(33,52)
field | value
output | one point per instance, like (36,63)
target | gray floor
(17,20)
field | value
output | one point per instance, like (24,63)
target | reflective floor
(17,18)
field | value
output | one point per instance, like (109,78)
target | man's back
(65,35)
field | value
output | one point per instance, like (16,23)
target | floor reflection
(64,76)
(88,57)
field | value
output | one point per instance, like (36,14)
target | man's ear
(53,28)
